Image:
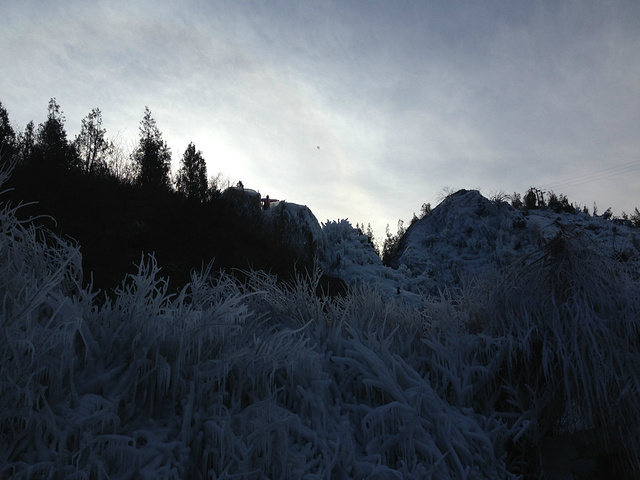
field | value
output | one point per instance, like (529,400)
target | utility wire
(594,176)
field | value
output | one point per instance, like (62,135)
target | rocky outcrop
(245,202)
(287,228)
(293,227)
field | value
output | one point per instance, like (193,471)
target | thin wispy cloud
(403,99)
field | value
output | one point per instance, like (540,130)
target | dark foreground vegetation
(264,379)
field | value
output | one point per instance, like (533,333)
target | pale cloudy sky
(404,98)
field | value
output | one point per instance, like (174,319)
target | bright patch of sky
(403,98)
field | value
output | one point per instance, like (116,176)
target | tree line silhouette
(120,202)
(92,152)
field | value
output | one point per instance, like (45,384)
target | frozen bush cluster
(346,248)
(270,380)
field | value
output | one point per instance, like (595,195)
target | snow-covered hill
(469,237)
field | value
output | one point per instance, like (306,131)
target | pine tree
(26,143)
(191,180)
(372,239)
(152,157)
(91,143)
(51,147)
(7,134)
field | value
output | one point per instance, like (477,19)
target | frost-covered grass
(570,323)
(270,380)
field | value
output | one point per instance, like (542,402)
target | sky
(361,110)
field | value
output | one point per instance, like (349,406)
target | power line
(589,177)
(594,176)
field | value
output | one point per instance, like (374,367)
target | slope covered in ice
(468,237)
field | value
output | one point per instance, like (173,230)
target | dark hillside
(116,223)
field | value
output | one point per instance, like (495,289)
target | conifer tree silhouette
(191,180)
(51,147)
(26,143)
(152,157)
(7,134)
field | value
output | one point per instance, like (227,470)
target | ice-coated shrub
(372,379)
(345,247)
(42,304)
(567,321)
